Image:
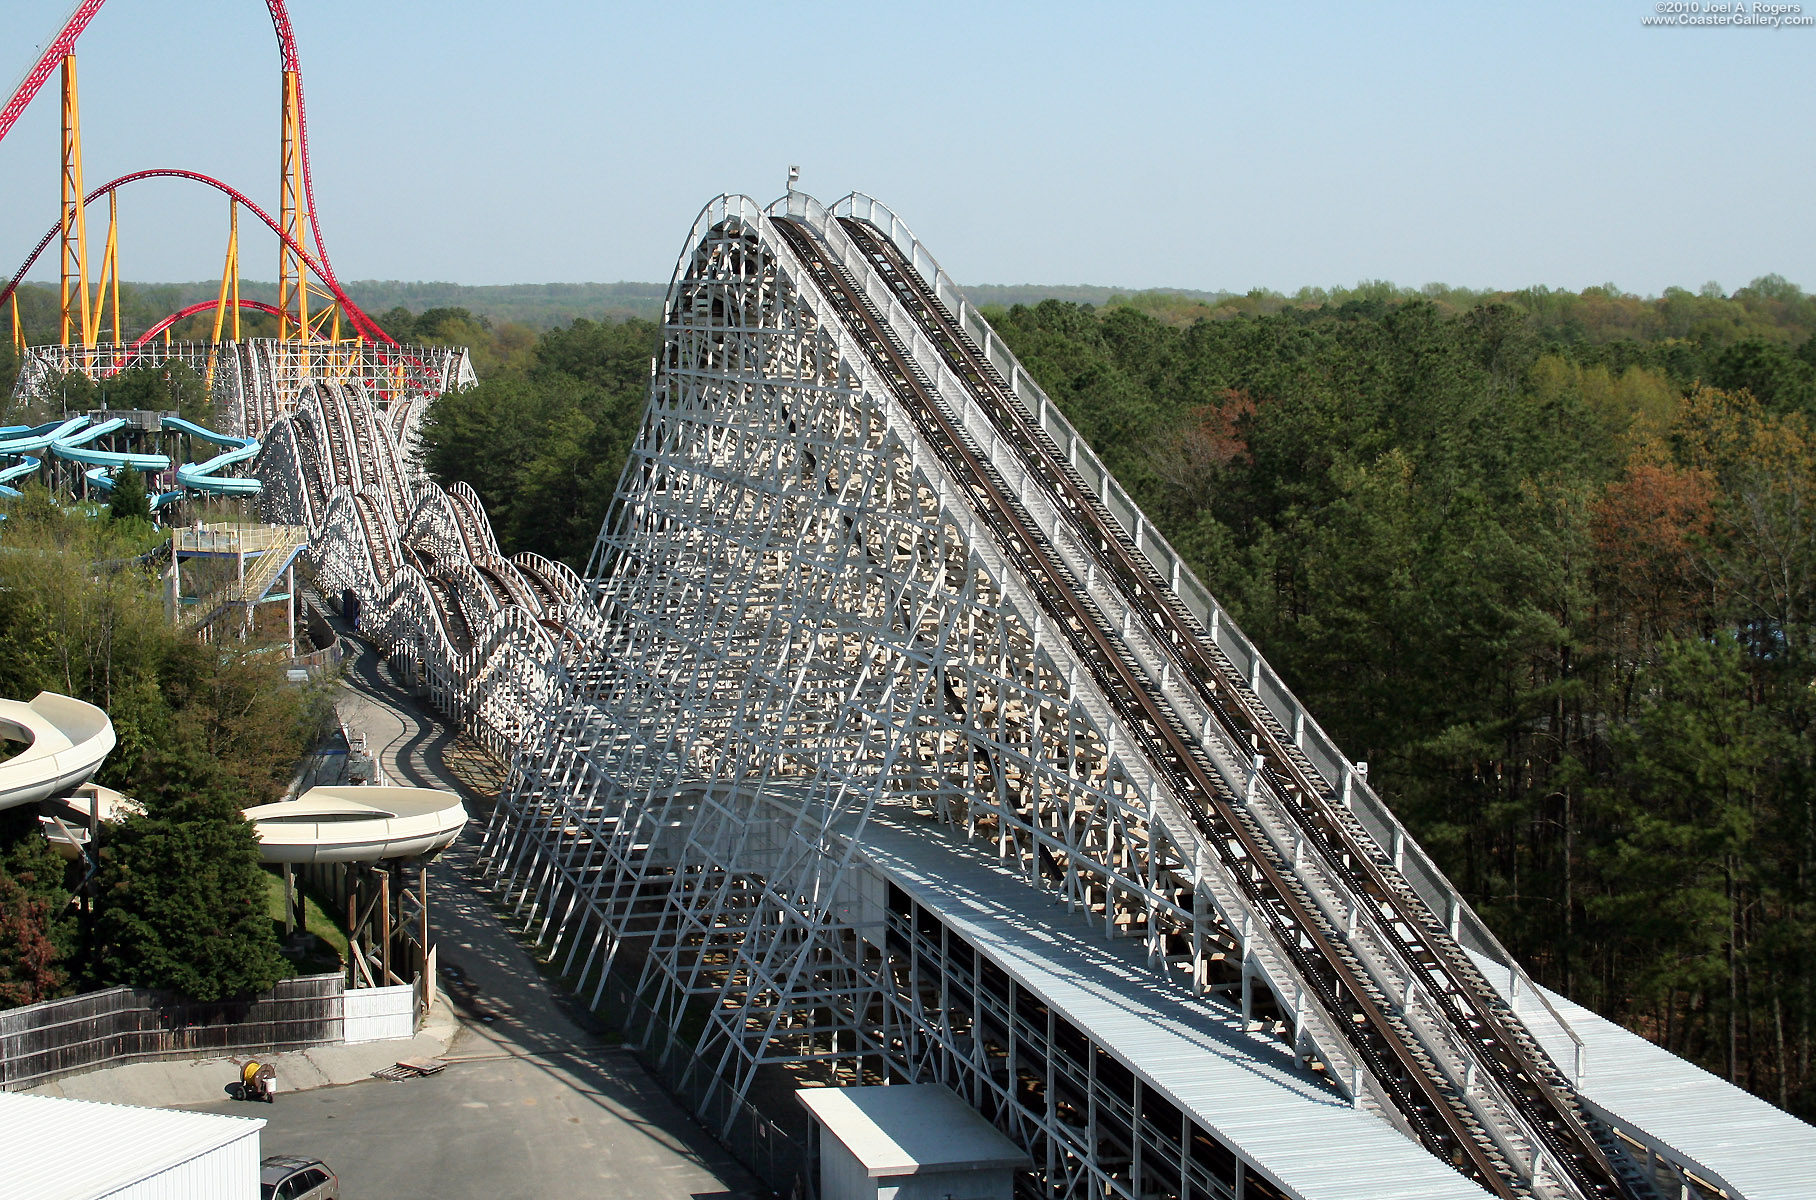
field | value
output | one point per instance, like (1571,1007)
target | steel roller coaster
(868,617)
(298,221)
(257,378)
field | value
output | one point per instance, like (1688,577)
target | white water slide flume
(358,824)
(68,739)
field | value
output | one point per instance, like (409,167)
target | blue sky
(1201,145)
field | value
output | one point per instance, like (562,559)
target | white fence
(378,1014)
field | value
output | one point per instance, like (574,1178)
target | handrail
(862,279)
(1332,1044)
(1338,772)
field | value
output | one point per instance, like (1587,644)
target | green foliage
(129,500)
(181,894)
(1694,765)
(36,932)
(201,733)
(1554,591)
(168,387)
(544,445)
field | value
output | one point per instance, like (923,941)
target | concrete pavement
(182,1082)
(504,1127)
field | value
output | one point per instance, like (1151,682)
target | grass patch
(327,949)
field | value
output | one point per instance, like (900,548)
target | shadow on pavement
(507,1008)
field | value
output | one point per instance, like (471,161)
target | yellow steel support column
(113,258)
(109,286)
(18,329)
(74,221)
(229,298)
(293,219)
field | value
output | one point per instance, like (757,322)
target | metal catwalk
(862,585)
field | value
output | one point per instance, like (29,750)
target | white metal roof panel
(1242,1087)
(1746,1145)
(52,1148)
(906,1129)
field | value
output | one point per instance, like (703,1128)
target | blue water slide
(100,479)
(207,435)
(32,439)
(24,467)
(200,476)
(75,449)
(83,437)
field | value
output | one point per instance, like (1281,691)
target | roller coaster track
(488,646)
(887,476)
(64,43)
(209,181)
(1363,869)
(1512,1104)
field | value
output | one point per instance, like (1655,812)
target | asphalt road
(508,1126)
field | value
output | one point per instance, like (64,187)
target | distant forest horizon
(544,306)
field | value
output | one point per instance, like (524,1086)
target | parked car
(285,1177)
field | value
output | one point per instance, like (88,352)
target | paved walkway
(538,1096)
(523,1014)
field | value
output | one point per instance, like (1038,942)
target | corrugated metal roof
(57,1149)
(1241,1086)
(1743,1143)
(905,1130)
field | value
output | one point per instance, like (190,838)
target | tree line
(1547,564)
(544,437)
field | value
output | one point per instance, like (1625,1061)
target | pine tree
(130,501)
(182,896)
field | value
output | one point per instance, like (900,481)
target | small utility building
(909,1142)
(57,1149)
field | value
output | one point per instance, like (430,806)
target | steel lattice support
(811,624)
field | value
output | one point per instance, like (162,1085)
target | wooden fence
(42,1042)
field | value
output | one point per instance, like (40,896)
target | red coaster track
(65,43)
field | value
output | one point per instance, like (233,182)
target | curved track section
(434,594)
(361,321)
(200,306)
